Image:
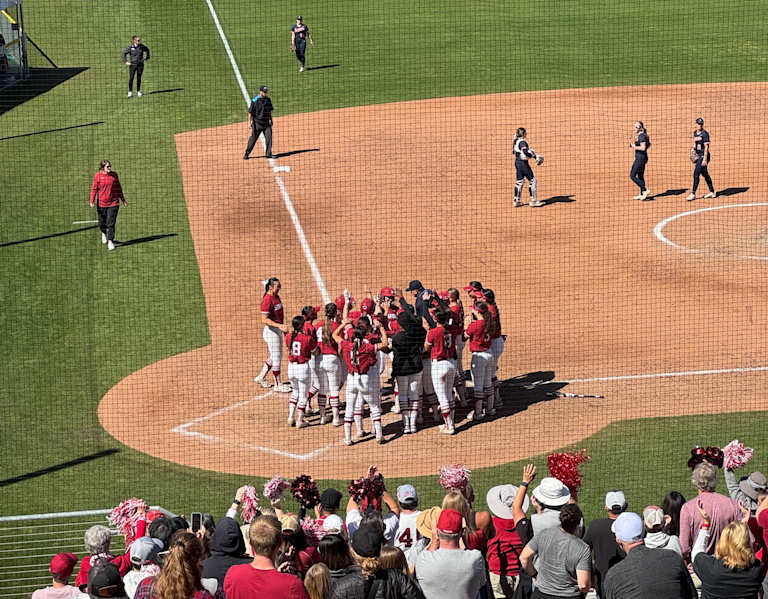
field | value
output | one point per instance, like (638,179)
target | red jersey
(309,328)
(458,316)
(479,340)
(107,187)
(443,344)
(327,348)
(495,313)
(300,347)
(364,359)
(272,308)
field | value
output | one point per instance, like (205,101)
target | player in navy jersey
(640,144)
(523,170)
(299,35)
(701,146)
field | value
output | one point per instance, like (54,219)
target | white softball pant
(360,391)
(443,373)
(300,376)
(273,337)
(460,343)
(409,391)
(314,368)
(482,373)
(330,378)
(497,348)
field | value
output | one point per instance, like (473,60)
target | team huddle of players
(344,342)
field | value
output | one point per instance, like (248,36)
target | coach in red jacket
(106,188)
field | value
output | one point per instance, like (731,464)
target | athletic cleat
(290,421)
(246,157)
(139,94)
(517,203)
(360,435)
(322,419)
(348,442)
(491,412)
(638,197)
(282,388)
(380,440)
(130,94)
(711,194)
(336,422)
(110,245)
(103,238)
(302,424)
(691,197)
(536,204)
(447,430)
(645,194)
(301,69)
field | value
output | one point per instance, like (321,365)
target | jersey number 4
(405,538)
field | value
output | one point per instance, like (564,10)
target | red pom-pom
(711,454)
(304,489)
(565,468)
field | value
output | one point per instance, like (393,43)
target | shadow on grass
(322,66)
(164,91)
(138,240)
(52,130)
(57,467)
(40,81)
(731,191)
(51,236)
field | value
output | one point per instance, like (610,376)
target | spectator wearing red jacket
(107,191)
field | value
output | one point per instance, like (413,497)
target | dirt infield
(423,190)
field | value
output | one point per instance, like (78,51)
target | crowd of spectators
(388,547)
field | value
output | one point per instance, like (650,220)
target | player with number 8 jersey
(300,347)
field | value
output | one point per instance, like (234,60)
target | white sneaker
(638,196)
(711,194)
(536,204)
(301,424)
(301,69)
(322,418)
(347,442)
(110,245)
(290,421)
(336,422)
(283,388)
(139,94)
(645,194)
(517,203)
(103,238)
(380,440)
(262,381)
(130,94)
(691,197)
(446,430)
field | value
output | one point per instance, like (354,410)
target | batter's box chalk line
(658,229)
(184,429)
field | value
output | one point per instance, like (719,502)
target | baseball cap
(366,306)
(699,121)
(653,516)
(162,529)
(104,581)
(444,294)
(333,524)
(449,522)
(615,501)
(62,565)
(289,523)
(263,88)
(367,541)
(628,527)
(414,285)
(387,292)
(144,550)
(407,494)
(299,18)
(330,498)
(474,286)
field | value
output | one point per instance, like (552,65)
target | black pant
(301,51)
(135,70)
(702,171)
(107,220)
(256,130)
(637,174)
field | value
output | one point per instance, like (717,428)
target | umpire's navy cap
(263,88)
(414,285)
(699,121)
(299,18)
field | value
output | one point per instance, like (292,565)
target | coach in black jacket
(135,56)
(260,112)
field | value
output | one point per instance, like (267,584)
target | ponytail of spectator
(180,576)
(671,506)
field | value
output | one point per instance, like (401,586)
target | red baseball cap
(449,522)
(154,514)
(444,294)
(477,295)
(473,285)
(387,292)
(366,306)
(339,301)
(62,565)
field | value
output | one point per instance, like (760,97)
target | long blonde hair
(180,575)
(455,500)
(318,581)
(733,548)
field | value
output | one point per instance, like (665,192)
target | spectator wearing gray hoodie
(654,521)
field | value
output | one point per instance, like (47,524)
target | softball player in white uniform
(331,373)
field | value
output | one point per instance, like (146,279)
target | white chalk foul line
(657,230)
(286,198)
(660,375)
(84,222)
(184,429)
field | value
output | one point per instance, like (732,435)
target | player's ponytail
(269,283)
(358,333)
(490,298)
(297,323)
(331,310)
(487,317)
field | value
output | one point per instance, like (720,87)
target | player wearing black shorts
(299,35)
(523,170)
(701,146)
(640,144)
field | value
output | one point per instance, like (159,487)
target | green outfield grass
(76,320)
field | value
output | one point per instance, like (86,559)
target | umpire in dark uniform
(260,111)
(135,55)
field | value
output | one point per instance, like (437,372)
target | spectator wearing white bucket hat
(511,531)
(548,498)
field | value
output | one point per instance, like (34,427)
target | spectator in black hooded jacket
(227,549)
(407,347)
